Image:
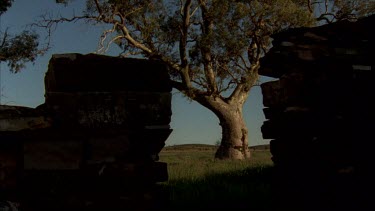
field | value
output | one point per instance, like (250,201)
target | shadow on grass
(243,189)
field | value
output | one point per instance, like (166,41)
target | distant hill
(261,147)
(208,147)
(191,147)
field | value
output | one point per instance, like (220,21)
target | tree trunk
(234,143)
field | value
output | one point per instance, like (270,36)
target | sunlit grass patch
(196,179)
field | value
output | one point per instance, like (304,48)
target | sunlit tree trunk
(234,142)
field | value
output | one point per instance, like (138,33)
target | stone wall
(94,142)
(320,115)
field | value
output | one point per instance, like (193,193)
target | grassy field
(198,182)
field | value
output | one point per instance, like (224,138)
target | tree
(331,11)
(4,5)
(211,47)
(16,50)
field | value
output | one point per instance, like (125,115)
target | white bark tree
(212,48)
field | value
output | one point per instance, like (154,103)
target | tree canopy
(208,45)
(18,49)
(4,5)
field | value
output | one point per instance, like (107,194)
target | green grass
(197,180)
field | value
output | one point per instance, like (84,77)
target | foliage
(336,10)
(18,49)
(210,46)
(4,5)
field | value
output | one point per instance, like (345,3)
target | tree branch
(323,17)
(242,89)
(104,50)
(132,53)
(192,92)
(244,62)
(200,83)
(194,11)
(228,86)
(326,6)
(102,47)
(49,23)
(132,41)
(206,49)
(183,42)
(309,6)
(230,73)
(100,11)
(4,38)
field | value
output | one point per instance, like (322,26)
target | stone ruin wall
(96,137)
(320,115)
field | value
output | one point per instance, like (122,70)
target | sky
(191,122)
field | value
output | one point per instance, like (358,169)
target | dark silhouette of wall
(320,115)
(94,143)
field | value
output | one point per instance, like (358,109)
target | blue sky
(191,122)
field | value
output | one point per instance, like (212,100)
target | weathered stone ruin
(94,143)
(320,115)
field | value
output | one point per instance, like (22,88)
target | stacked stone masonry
(320,115)
(94,143)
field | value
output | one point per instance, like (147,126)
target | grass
(198,181)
